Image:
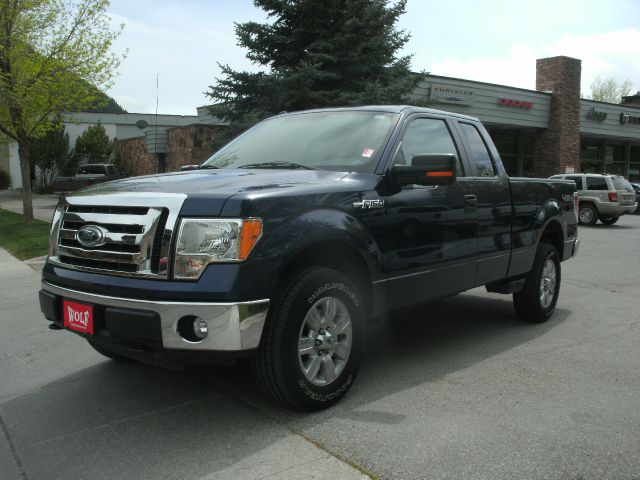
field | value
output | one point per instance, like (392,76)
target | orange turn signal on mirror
(439,174)
(251,233)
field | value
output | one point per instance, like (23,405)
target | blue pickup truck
(284,244)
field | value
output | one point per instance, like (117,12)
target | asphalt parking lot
(456,389)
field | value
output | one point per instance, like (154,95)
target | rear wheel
(587,214)
(313,340)
(609,220)
(536,302)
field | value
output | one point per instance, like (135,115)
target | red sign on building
(510,102)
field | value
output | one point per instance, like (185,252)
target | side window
(479,153)
(426,136)
(597,183)
(576,179)
(111,171)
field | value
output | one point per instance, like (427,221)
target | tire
(587,214)
(536,302)
(109,354)
(313,340)
(609,220)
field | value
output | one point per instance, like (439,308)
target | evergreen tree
(93,145)
(49,152)
(316,53)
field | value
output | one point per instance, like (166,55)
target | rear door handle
(471,200)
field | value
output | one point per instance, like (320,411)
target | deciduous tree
(54,54)
(610,90)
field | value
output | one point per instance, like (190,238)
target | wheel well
(338,256)
(552,235)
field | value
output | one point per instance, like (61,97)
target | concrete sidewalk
(43,205)
(66,412)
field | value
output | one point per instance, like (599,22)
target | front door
(430,243)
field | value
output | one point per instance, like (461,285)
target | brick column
(560,143)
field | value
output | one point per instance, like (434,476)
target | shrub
(5,179)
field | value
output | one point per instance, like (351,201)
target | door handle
(471,200)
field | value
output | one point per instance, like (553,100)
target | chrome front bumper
(232,326)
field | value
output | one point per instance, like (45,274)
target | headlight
(202,241)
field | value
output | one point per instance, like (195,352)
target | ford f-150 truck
(284,244)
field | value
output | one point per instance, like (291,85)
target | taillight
(613,196)
(576,202)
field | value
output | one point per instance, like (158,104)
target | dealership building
(549,130)
(538,133)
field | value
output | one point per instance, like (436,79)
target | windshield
(342,141)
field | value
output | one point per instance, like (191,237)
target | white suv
(602,197)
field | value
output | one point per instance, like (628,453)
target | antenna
(155,141)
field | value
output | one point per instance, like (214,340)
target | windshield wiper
(204,167)
(280,164)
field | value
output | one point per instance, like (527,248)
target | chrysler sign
(450,94)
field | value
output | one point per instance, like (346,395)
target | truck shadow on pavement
(116,420)
(423,345)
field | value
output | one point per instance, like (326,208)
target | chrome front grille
(136,233)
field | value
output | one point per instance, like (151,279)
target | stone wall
(185,146)
(190,145)
(133,157)
(559,144)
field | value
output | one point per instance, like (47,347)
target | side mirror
(432,169)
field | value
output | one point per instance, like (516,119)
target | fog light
(200,328)
(192,329)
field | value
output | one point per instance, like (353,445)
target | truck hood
(207,191)
(216,183)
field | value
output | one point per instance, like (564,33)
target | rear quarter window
(619,183)
(479,154)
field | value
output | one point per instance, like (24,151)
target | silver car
(602,197)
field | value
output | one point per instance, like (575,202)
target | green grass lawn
(23,240)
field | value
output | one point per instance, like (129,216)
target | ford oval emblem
(91,236)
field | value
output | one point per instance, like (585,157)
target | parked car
(289,240)
(602,197)
(86,175)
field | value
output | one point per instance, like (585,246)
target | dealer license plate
(78,317)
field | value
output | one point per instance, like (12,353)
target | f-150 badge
(367,204)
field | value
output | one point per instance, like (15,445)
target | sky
(177,44)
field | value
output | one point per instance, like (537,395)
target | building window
(516,149)
(634,163)
(589,157)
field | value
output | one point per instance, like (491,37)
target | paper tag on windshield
(367,152)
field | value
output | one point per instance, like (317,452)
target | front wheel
(609,220)
(536,302)
(313,340)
